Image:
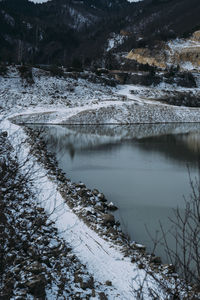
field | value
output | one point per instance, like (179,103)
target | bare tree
(184,258)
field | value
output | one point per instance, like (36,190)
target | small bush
(184,79)
(26,73)
(56,71)
(3,69)
(77,64)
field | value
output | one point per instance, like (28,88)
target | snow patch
(132,1)
(115,41)
(39,1)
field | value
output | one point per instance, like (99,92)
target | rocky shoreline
(35,261)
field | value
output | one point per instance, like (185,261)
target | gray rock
(156,260)
(111,230)
(100,207)
(101,197)
(36,286)
(39,221)
(138,246)
(102,296)
(4,133)
(82,192)
(108,283)
(112,207)
(95,192)
(108,219)
(87,283)
(35,268)
(77,278)
(80,185)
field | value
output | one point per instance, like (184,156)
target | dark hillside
(59,31)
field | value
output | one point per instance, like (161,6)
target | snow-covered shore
(60,101)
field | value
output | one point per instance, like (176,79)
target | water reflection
(180,142)
(141,168)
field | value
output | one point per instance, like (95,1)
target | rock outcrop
(146,56)
(196,36)
(180,52)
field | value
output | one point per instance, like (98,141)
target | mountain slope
(60,31)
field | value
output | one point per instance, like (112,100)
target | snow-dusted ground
(52,100)
(64,101)
(39,1)
(180,45)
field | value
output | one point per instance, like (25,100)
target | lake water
(142,169)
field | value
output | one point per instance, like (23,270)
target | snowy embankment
(103,259)
(127,110)
(61,101)
(35,261)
